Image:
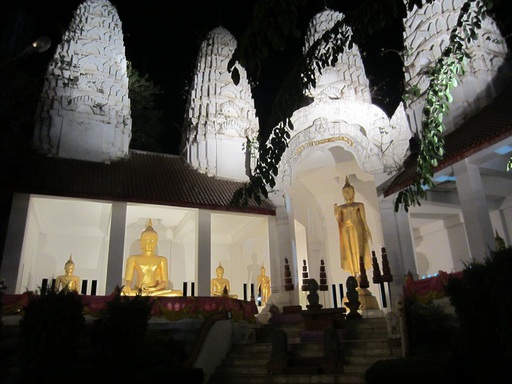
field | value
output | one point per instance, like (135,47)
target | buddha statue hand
(126,290)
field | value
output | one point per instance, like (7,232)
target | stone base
(318,336)
(292,309)
(319,320)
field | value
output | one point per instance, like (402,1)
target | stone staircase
(365,341)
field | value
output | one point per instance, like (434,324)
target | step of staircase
(365,342)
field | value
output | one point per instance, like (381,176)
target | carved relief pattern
(347,79)
(217,107)
(84,109)
(378,143)
(426,34)
(215,99)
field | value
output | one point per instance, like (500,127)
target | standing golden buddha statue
(264,285)
(354,237)
(353,230)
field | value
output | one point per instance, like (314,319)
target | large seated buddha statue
(151,270)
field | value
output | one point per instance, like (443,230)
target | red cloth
(426,290)
(171,308)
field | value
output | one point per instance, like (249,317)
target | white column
(473,203)
(204,253)
(399,243)
(115,267)
(14,242)
(281,242)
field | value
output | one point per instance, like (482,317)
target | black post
(383,295)
(94,285)
(184,289)
(342,295)
(84,287)
(334,301)
(245,291)
(192,286)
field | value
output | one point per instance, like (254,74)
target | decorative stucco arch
(377,142)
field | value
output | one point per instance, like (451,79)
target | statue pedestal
(366,299)
(316,321)
(353,306)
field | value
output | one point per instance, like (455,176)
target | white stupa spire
(347,79)
(84,111)
(221,115)
(426,34)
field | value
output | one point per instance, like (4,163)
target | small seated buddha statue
(152,271)
(220,285)
(68,281)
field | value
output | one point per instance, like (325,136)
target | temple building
(83,192)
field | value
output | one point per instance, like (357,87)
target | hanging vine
(368,18)
(443,77)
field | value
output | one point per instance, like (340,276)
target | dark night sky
(164,43)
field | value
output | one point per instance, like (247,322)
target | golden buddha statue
(68,281)
(263,285)
(353,230)
(220,285)
(152,270)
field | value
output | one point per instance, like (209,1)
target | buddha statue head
(69,267)
(149,231)
(220,270)
(348,191)
(149,238)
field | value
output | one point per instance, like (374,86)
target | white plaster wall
(502,223)
(241,245)
(28,278)
(458,247)
(230,158)
(433,250)
(183,262)
(52,236)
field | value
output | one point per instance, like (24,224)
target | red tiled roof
(489,126)
(143,177)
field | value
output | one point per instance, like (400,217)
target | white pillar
(115,267)
(204,253)
(399,243)
(473,203)
(14,243)
(281,238)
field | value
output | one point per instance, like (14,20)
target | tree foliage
(443,77)
(482,299)
(52,331)
(146,117)
(367,19)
